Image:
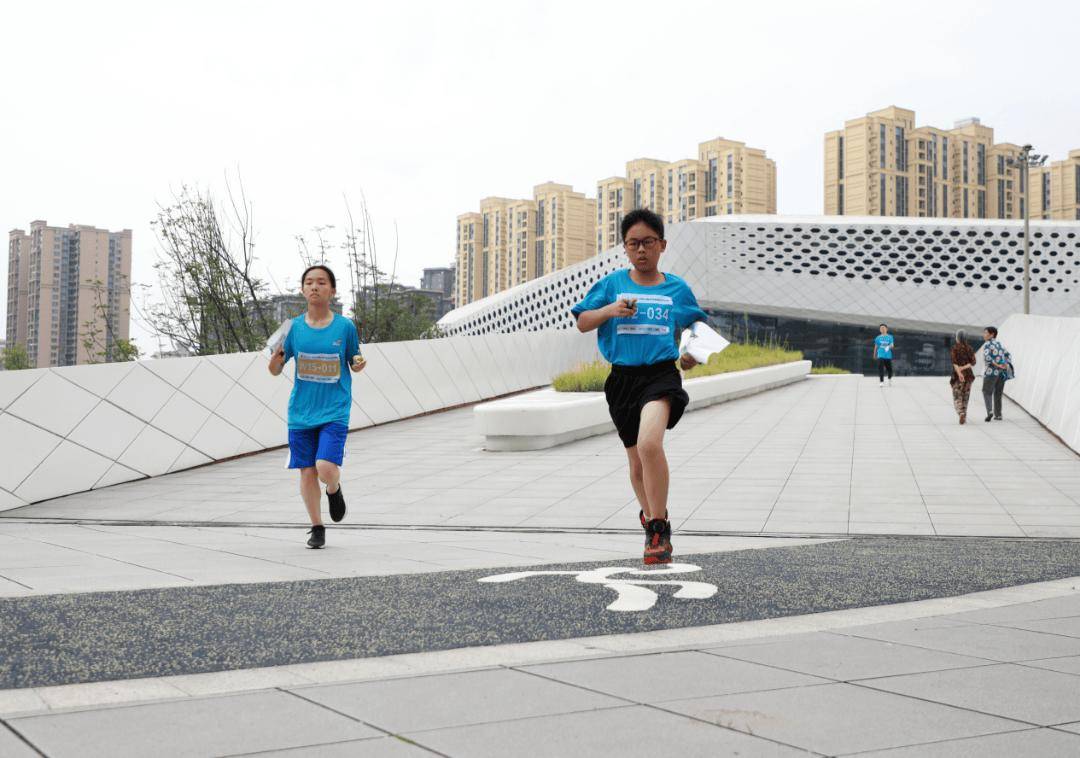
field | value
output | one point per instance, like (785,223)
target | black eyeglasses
(649,244)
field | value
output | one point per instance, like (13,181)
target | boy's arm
(589,320)
(277,362)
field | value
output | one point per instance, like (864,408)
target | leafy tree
(212,301)
(98,335)
(16,357)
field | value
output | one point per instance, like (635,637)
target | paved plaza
(856,574)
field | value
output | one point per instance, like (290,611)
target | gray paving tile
(13,747)
(205,726)
(1056,607)
(385,747)
(1069,664)
(844,658)
(1037,696)
(840,718)
(1044,743)
(1068,626)
(433,702)
(683,674)
(992,642)
(616,733)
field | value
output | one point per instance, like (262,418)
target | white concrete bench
(546,418)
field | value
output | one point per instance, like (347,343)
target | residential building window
(980,157)
(901,196)
(730,174)
(1046,190)
(882,203)
(1001,164)
(711,185)
(944,157)
(1001,197)
(637,194)
(539,262)
(840,199)
(541,218)
(965,165)
(840,157)
(881,148)
(965,195)
(980,203)
(901,149)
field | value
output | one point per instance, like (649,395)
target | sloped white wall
(76,428)
(1046,353)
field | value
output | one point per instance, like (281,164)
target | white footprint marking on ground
(633,594)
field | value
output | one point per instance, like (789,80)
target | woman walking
(963,363)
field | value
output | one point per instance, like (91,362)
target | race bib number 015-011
(318,367)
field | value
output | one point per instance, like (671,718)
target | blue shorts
(323,443)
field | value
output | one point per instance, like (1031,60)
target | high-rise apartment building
(726,178)
(1055,189)
(883,165)
(67,286)
(512,241)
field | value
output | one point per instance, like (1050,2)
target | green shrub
(737,357)
(828,368)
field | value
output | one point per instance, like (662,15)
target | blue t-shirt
(322,392)
(884,344)
(663,311)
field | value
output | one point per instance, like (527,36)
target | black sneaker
(998,418)
(318,536)
(641,518)
(337,504)
(989,418)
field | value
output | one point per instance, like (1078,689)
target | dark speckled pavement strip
(61,639)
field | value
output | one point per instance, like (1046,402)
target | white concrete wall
(76,428)
(1046,354)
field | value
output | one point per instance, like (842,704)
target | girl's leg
(650,448)
(329,474)
(309,490)
(637,479)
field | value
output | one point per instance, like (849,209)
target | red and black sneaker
(657,542)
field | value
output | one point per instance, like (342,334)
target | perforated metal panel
(926,273)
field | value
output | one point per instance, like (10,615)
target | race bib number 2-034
(318,367)
(653,312)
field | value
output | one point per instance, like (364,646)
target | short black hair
(329,273)
(882,325)
(992,330)
(643,216)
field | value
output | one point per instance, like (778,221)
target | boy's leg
(650,449)
(312,495)
(329,474)
(881,371)
(888,367)
(999,389)
(637,479)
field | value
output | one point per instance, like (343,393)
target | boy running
(640,312)
(883,347)
(323,344)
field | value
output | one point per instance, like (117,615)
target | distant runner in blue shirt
(325,348)
(883,351)
(640,313)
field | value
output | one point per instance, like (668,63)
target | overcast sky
(428,107)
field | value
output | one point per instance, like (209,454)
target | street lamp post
(1025,163)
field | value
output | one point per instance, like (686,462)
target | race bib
(653,314)
(318,367)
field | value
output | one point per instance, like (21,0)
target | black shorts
(628,388)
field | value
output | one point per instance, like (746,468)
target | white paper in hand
(700,341)
(277,339)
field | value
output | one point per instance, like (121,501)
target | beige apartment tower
(726,178)
(1055,189)
(512,241)
(883,165)
(67,286)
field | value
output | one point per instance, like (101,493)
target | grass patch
(828,368)
(737,357)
